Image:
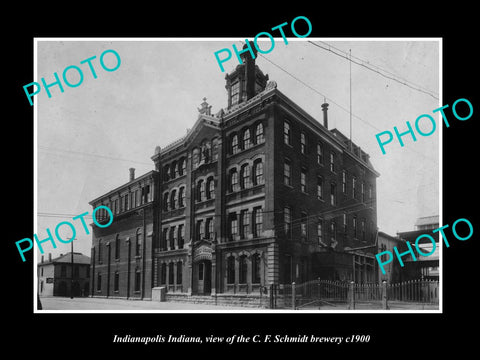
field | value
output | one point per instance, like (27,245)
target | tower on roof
(246,80)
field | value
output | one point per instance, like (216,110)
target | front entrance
(204,277)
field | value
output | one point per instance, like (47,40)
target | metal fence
(338,293)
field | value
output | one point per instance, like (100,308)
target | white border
(254,311)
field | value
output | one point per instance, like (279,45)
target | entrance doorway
(204,277)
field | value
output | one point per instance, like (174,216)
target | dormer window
(235,92)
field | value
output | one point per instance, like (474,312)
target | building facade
(57,277)
(121,254)
(259,193)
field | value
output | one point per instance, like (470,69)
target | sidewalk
(100,304)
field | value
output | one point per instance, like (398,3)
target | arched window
(184,165)
(246,139)
(174,170)
(181,197)
(215,149)
(233,180)
(196,157)
(234,144)
(200,190)
(210,189)
(179,272)
(181,235)
(245,177)
(138,243)
(231,270)
(242,269)
(165,201)
(166,173)
(173,199)
(256,269)
(258,172)
(259,137)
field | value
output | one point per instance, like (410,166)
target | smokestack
(49,257)
(42,259)
(325,116)
(132,174)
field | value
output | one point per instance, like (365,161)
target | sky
(89,136)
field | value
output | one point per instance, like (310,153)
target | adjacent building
(57,277)
(259,193)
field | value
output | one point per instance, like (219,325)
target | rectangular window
(363,230)
(245,218)
(200,229)
(344,182)
(320,153)
(333,194)
(287,168)
(233,226)
(287,219)
(181,235)
(333,231)
(303,225)
(286,132)
(354,187)
(320,231)
(354,224)
(345,223)
(235,92)
(258,221)
(363,191)
(332,162)
(99,282)
(320,188)
(303,143)
(303,180)
(230,270)
(370,192)
(126,203)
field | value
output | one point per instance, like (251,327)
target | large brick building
(259,193)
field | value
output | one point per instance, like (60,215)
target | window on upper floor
(319,188)
(287,219)
(245,176)
(233,180)
(320,153)
(246,139)
(332,162)
(286,132)
(245,223)
(181,197)
(210,188)
(303,143)
(303,180)
(235,92)
(258,178)
(333,194)
(259,135)
(234,144)
(257,218)
(173,199)
(287,172)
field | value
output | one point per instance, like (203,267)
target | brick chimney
(132,174)
(49,257)
(325,115)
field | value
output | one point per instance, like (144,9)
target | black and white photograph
(275,186)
